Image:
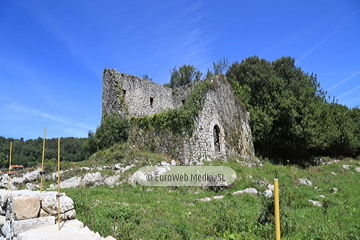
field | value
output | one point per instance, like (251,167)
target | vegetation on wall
(178,121)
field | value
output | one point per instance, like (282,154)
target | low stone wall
(24,210)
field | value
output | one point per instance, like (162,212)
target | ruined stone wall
(221,108)
(180,94)
(132,96)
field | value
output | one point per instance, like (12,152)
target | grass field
(138,212)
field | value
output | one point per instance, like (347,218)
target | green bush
(113,129)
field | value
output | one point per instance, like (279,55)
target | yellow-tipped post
(42,161)
(9,180)
(58,195)
(277,210)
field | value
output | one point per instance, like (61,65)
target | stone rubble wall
(232,119)
(136,101)
(24,210)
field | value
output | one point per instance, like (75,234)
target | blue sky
(52,53)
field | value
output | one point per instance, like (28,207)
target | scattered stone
(322,196)
(357,169)
(316,203)
(268,193)
(333,173)
(248,190)
(163,163)
(31,176)
(334,190)
(123,169)
(110,181)
(246,164)
(305,181)
(173,163)
(31,186)
(207,199)
(346,167)
(109,238)
(17,180)
(92,178)
(70,183)
(265,184)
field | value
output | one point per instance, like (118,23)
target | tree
(145,76)
(185,75)
(220,66)
(287,108)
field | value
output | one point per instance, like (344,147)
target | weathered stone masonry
(221,128)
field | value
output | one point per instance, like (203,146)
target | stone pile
(24,210)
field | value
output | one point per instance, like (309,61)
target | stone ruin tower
(221,128)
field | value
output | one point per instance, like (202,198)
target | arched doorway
(216,133)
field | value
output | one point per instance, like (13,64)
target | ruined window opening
(217,138)
(183,101)
(151,101)
(124,92)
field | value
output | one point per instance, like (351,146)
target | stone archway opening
(216,133)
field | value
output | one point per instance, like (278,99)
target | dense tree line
(292,118)
(29,152)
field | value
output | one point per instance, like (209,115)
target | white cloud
(26,109)
(346,79)
(325,38)
(350,91)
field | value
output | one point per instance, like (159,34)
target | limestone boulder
(248,190)
(25,207)
(305,181)
(2,220)
(29,224)
(31,186)
(7,230)
(92,178)
(71,183)
(49,204)
(43,213)
(110,181)
(3,199)
(346,167)
(316,203)
(31,176)
(17,180)
(268,193)
(68,215)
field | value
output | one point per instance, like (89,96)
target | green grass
(128,212)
